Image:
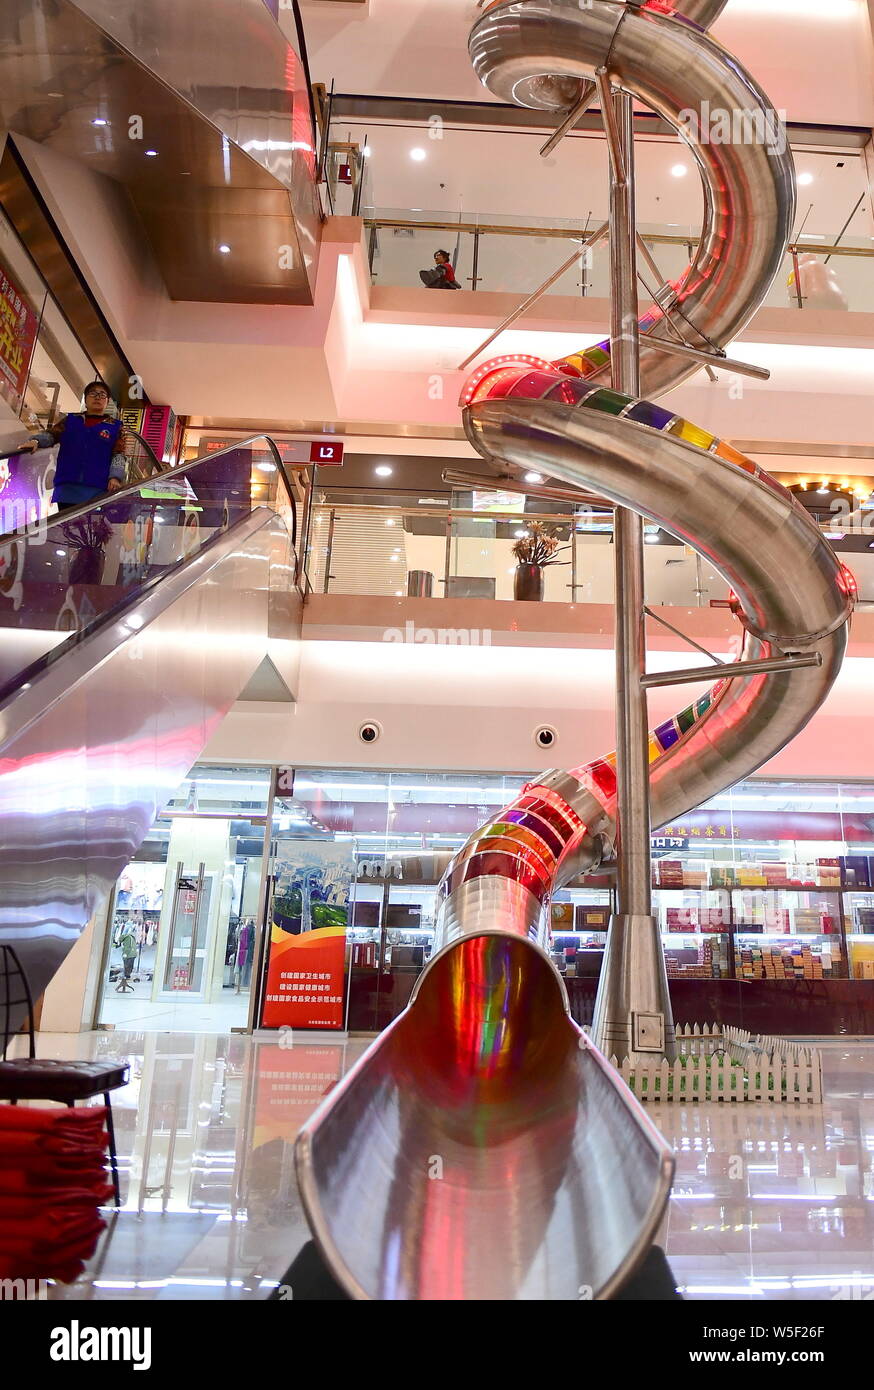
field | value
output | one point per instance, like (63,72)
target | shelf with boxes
(775,957)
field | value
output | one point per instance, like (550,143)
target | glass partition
(101,557)
(461,187)
(467,552)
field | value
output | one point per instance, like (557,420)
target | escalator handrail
(159,467)
(177,471)
(26,676)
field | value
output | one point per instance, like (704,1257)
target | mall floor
(770,1201)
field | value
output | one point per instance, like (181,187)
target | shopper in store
(442,277)
(127,940)
(91,450)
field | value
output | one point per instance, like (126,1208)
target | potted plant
(534,551)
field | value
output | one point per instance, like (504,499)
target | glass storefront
(769,881)
(182,926)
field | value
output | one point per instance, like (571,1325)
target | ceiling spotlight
(679,171)
(418,154)
(224,248)
(805,178)
(99,120)
(382,470)
(534,477)
(151,154)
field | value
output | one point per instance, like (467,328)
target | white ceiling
(814,58)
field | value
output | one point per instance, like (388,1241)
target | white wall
(477,709)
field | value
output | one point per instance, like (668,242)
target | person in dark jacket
(91,454)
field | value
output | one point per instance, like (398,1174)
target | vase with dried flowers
(535,550)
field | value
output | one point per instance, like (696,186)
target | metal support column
(633,1010)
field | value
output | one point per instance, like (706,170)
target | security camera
(370,732)
(545,736)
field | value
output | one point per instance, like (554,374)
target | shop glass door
(186,953)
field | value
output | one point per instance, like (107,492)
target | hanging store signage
(331,454)
(306,962)
(18,325)
(297,452)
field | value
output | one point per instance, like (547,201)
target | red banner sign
(306,965)
(18,324)
(326,453)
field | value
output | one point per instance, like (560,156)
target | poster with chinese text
(306,964)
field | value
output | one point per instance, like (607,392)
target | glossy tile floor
(770,1201)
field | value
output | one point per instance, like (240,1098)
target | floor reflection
(770,1201)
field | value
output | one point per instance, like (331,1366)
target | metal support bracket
(734,670)
(712,359)
(583,245)
(682,636)
(578,110)
(611,128)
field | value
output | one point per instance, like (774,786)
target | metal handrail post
(329,551)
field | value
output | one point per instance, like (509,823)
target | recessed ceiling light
(99,120)
(805,178)
(151,154)
(534,477)
(382,470)
(418,154)
(224,248)
(679,171)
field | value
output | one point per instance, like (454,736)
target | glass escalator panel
(101,558)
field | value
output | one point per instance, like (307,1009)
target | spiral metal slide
(482,1148)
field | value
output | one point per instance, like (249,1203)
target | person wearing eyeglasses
(91,458)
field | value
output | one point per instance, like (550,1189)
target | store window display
(190,901)
(769,884)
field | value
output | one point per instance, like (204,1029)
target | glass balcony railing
(467,552)
(515,255)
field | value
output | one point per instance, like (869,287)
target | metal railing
(493,252)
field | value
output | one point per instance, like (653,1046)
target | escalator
(117,666)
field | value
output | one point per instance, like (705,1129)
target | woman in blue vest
(91,451)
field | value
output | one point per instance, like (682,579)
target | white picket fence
(719,1078)
(731,1065)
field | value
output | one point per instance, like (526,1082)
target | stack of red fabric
(52,1182)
